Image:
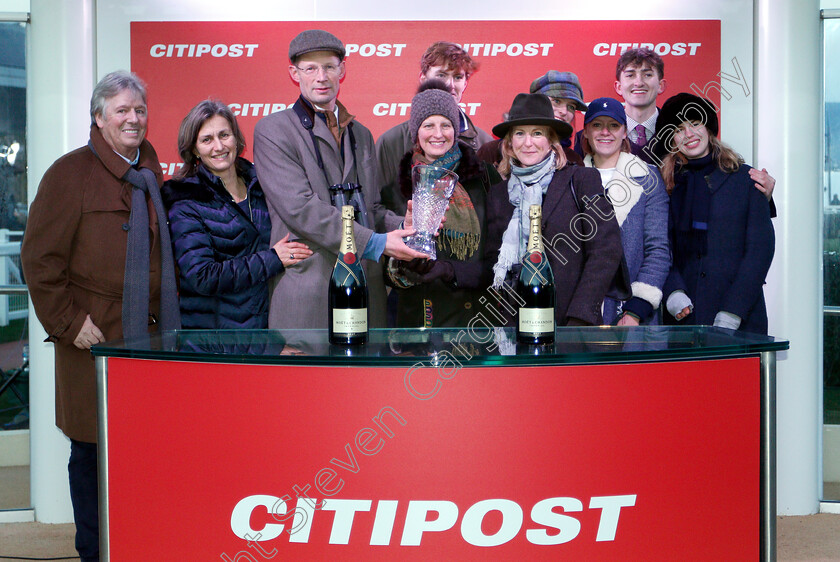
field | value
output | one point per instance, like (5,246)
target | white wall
(12,6)
(788,136)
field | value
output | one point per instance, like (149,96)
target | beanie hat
(433,98)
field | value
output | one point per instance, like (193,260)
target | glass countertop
(409,346)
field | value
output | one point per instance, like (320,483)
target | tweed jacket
(584,251)
(392,145)
(297,192)
(741,244)
(73,258)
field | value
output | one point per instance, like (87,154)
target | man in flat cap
(566,95)
(304,154)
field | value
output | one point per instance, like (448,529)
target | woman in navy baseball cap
(640,203)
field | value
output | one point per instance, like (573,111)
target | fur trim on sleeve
(647,292)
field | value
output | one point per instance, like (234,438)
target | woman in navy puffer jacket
(220,226)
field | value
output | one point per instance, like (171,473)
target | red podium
(619,444)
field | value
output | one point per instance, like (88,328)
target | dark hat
(678,109)
(433,98)
(533,109)
(607,107)
(556,84)
(315,40)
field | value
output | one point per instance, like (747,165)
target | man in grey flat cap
(303,155)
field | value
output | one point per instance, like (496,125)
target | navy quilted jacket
(223,254)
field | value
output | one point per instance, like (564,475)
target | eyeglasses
(312,69)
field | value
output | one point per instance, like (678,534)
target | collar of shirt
(131,162)
(322,110)
(649,125)
(464,124)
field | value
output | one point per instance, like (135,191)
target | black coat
(222,253)
(450,304)
(584,252)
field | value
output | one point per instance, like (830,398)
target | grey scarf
(135,310)
(135,306)
(526,187)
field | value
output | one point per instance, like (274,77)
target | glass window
(14,307)
(831,263)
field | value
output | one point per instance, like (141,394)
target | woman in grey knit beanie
(433,98)
(444,292)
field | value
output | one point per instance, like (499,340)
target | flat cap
(315,40)
(556,84)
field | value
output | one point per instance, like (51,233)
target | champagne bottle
(536,288)
(348,294)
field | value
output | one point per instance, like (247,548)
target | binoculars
(349,193)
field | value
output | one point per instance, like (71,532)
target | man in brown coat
(81,225)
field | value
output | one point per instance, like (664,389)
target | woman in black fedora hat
(580,233)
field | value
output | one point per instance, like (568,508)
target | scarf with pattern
(462,233)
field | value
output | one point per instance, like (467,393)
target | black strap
(307,123)
(353,148)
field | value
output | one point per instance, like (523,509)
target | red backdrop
(245,64)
